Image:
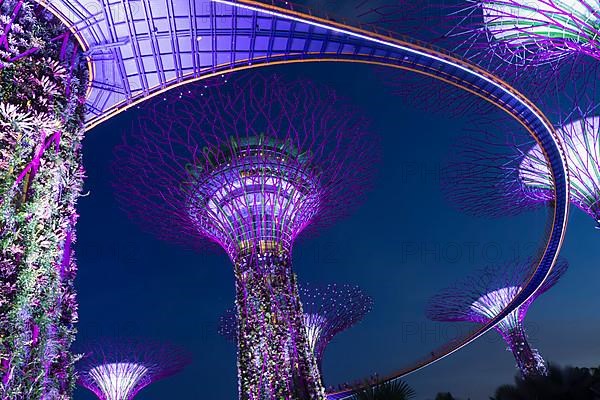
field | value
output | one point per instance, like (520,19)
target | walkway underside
(139,48)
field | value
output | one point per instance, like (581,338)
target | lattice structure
(539,30)
(250,167)
(502,177)
(535,44)
(424,20)
(582,145)
(328,310)
(481,297)
(517,40)
(481,177)
(119,369)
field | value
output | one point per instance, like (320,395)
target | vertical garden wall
(42,88)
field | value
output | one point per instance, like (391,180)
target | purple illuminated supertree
(531,31)
(481,297)
(249,167)
(533,44)
(499,177)
(328,310)
(581,138)
(429,20)
(118,370)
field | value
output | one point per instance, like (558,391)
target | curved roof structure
(139,48)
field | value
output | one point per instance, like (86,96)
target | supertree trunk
(274,358)
(529,361)
(42,85)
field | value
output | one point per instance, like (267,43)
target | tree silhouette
(569,383)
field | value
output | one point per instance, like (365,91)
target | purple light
(582,148)
(250,167)
(44,84)
(543,30)
(119,370)
(117,381)
(492,303)
(526,42)
(327,311)
(499,178)
(256,169)
(481,297)
(262,192)
(526,32)
(482,176)
(314,324)
(330,310)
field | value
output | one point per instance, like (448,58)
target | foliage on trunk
(42,86)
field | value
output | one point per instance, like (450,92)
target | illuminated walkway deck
(140,48)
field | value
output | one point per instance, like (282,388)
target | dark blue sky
(402,246)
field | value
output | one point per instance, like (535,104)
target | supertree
(582,145)
(480,297)
(532,31)
(533,44)
(250,167)
(328,310)
(119,369)
(43,80)
(430,21)
(497,177)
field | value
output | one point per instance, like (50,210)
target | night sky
(404,244)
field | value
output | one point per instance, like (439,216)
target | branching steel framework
(532,31)
(498,176)
(250,167)
(483,295)
(582,143)
(119,369)
(328,310)
(139,49)
(536,45)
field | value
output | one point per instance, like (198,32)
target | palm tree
(395,390)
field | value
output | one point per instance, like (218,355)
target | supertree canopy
(582,146)
(43,80)
(535,30)
(250,167)
(552,28)
(495,177)
(118,370)
(481,297)
(328,310)
(481,176)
